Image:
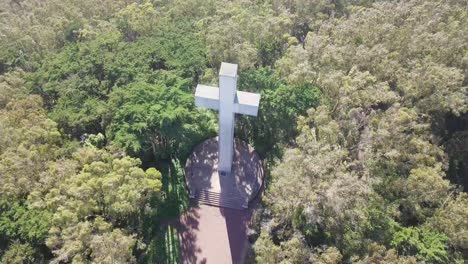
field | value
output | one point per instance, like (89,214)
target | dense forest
(363,126)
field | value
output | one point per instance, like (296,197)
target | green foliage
(11,87)
(49,26)
(379,254)
(158,118)
(165,246)
(280,105)
(77,82)
(160,235)
(90,205)
(369,159)
(363,104)
(247,33)
(109,186)
(17,221)
(266,250)
(106,245)
(426,245)
(452,220)
(113,247)
(93,140)
(330,255)
(19,253)
(28,141)
(136,19)
(269,52)
(314,191)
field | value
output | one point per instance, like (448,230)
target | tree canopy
(362,126)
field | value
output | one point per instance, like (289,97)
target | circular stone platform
(208,186)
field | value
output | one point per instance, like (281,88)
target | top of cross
(228,69)
(212,97)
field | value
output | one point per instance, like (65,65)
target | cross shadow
(237,223)
(247,172)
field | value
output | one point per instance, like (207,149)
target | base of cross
(234,189)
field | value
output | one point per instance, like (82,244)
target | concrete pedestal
(235,189)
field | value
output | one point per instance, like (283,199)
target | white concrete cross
(228,102)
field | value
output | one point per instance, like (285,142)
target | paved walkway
(213,235)
(218,235)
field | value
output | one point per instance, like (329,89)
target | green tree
(18,222)
(331,255)
(89,206)
(379,254)
(452,220)
(426,245)
(19,253)
(158,118)
(78,241)
(50,26)
(280,106)
(266,251)
(136,19)
(247,33)
(11,86)
(28,141)
(77,82)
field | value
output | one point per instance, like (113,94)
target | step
(213,198)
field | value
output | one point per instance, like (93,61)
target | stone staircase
(232,201)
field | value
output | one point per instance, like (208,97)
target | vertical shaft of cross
(227,95)
(228,101)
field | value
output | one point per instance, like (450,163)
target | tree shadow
(165,246)
(248,170)
(161,230)
(176,199)
(201,165)
(187,227)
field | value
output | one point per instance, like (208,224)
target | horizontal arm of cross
(207,97)
(245,103)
